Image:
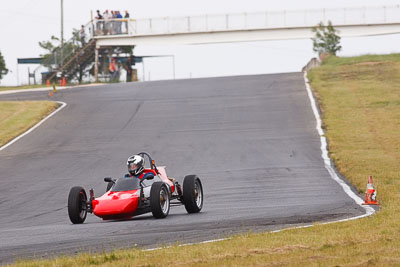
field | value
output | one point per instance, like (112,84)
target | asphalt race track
(251,140)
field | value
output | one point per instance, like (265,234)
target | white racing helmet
(135,164)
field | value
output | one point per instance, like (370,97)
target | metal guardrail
(248,21)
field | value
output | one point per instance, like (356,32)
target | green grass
(21,87)
(360,100)
(7,88)
(17,117)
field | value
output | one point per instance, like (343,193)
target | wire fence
(248,21)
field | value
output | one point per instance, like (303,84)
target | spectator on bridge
(107,26)
(113,22)
(99,23)
(126,21)
(119,22)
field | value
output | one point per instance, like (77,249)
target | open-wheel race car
(143,190)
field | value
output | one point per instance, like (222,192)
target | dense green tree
(3,68)
(326,39)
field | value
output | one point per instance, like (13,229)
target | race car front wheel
(77,205)
(192,194)
(159,200)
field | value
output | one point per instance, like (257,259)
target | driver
(136,168)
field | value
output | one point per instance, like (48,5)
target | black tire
(159,200)
(77,205)
(192,194)
(109,185)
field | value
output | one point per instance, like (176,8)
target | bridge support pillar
(96,64)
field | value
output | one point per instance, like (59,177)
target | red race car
(153,191)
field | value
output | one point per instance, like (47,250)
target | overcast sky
(23,23)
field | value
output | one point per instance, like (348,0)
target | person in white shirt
(107,25)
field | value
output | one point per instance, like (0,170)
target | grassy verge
(7,88)
(360,99)
(33,86)
(16,117)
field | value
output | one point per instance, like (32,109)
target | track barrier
(54,90)
(370,193)
(63,82)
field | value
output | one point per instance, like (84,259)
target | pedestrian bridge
(243,27)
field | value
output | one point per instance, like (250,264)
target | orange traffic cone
(48,83)
(64,81)
(61,82)
(370,193)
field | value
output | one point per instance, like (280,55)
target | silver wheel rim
(198,194)
(164,200)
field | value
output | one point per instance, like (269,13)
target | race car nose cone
(117,205)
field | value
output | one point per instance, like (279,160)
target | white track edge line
(327,161)
(63,104)
(328,165)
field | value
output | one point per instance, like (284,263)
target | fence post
(150,24)
(384,14)
(363,16)
(284,18)
(344,16)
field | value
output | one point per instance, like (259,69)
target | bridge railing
(249,21)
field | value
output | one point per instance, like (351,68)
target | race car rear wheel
(192,194)
(159,200)
(77,205)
